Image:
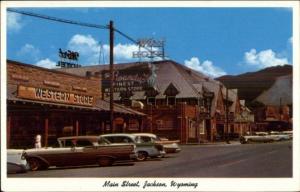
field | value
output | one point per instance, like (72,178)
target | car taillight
(23,155)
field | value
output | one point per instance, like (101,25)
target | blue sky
(215,41)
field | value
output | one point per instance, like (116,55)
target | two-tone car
(15,162)
(279,136)
(256,137)
(145,147)
(170,146)
(79,150)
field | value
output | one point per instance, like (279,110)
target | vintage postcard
(150,96)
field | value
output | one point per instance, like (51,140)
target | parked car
(256,137)
(289,133)
(170,146)
(79,150)
(279,136)
(144,146)
(15,162)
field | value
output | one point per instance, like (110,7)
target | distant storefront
(55,104)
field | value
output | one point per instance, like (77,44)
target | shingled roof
(168,71)
(188,82)
(281,92)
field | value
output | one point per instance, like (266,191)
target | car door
(69,154)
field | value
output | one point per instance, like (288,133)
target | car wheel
(34,164)
(243,140)
(105,161)
(141,156)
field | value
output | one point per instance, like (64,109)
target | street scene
(149,92)
(222,160)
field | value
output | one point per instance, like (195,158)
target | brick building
(53,104)
(180,103)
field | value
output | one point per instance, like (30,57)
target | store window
(167,124)
(192,129)
(151,101)
(202,128)
(133,125)
(171,100)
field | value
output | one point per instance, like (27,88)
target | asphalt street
(222,160)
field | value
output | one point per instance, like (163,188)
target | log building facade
(54,104)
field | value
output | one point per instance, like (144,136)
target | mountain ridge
(251,84)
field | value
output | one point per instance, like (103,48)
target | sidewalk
(215,143)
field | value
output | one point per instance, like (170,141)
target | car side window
(68,143)
(103,141)
(83,143)
(143,139)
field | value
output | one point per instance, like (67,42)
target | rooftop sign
(68,59)
(149,48)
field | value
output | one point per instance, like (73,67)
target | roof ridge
(177,65)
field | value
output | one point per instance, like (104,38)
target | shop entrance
(208,129)
(220,132)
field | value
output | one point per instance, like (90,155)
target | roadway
(220,160)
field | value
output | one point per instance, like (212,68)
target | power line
(126,36)
(58,19)
(75,23)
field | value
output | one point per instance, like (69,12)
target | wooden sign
(119,120)
(50,95)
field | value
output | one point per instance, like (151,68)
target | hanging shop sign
(129,79)
(56,96)
(68,59)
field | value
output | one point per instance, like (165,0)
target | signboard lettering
(45,94)
(129,79)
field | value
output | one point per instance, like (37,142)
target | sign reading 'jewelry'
(50,95)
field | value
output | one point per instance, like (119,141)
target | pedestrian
(38,140)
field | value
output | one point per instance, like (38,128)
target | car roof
(119,134)
(79,137)
(145,134)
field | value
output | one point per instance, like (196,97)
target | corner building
(180,103)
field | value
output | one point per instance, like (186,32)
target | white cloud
(29,50)
(46,63)
(290,40)
(265,58)
(89,50)
(14,21)
(205,67)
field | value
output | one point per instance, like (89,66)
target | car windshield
(103,141)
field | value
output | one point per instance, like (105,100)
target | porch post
(77,127)
(46,130)
(141,124)
(8,131)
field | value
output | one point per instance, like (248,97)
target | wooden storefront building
(54,104)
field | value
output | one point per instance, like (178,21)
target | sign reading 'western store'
(45,94)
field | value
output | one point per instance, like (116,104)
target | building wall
(181,122)
(50,118)
(22,74)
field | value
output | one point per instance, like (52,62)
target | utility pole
(112,76)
